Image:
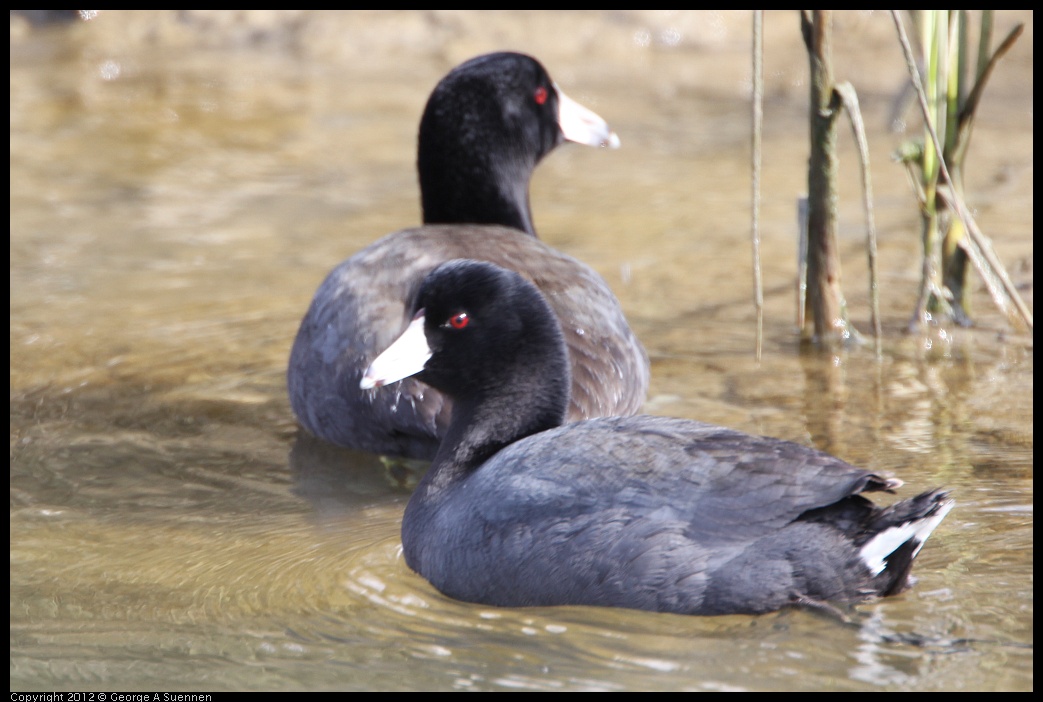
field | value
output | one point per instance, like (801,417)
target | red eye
(459,320)
(541,95)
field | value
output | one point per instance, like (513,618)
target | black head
(485,324)
(488,338)
(485,127)
(504,104)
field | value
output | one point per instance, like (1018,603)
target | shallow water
(180,186)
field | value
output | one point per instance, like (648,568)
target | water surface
(181,184)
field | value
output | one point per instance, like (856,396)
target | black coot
(486,126)
(651,513)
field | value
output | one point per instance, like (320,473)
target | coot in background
(485,127)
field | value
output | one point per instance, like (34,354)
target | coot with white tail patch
(652,513)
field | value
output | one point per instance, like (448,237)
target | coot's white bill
(583,126)
(402,359)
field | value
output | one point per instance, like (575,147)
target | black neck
(505,412)
(476,190)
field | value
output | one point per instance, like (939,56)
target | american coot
(645,512)
(486,126)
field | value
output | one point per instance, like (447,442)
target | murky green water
(179,188)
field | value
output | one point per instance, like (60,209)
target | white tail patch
(888,541)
